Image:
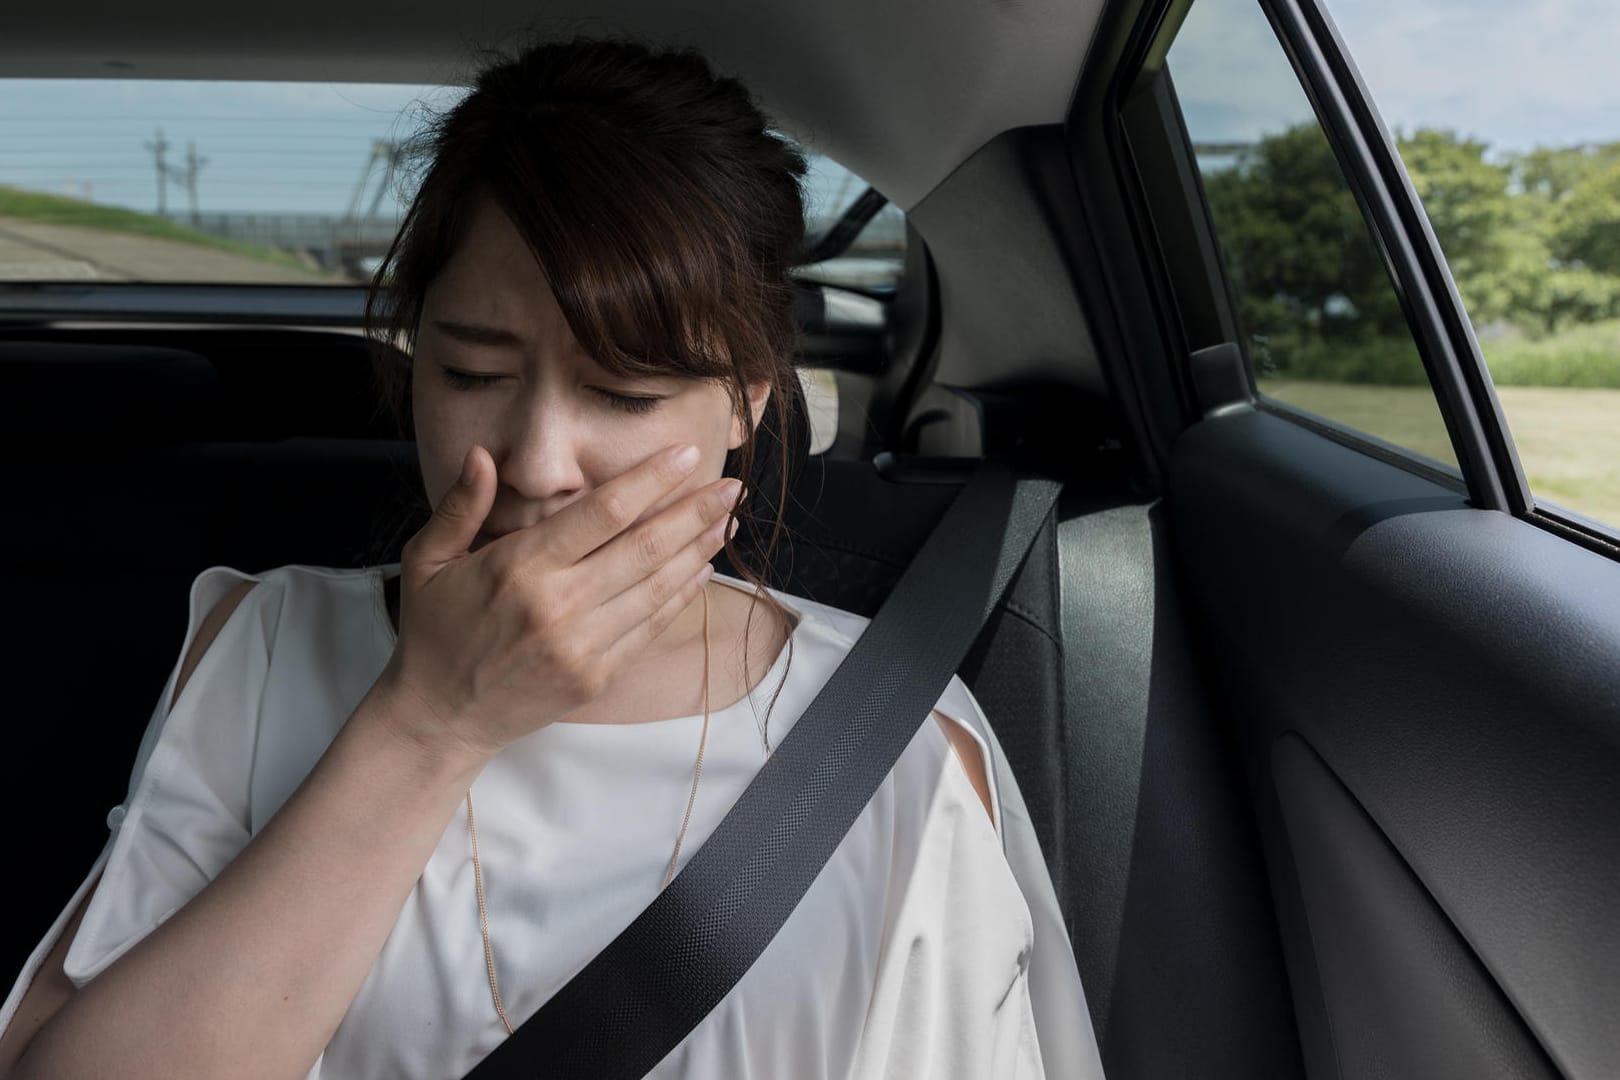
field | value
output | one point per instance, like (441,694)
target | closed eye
(630,403)
(466,380)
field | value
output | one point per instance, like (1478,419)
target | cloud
(1231,76)
(1515,75)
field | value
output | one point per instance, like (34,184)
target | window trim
(1393,215)
(1354,438)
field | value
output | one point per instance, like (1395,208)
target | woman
(381,815)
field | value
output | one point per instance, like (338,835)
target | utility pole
(194,165)
(157,148)
(166,173)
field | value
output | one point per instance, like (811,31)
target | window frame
(1153,312)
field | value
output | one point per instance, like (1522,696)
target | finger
(644,599)
(460,514)
(635,554)
(583,526)
(645,631)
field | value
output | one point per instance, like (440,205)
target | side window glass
(1323,326)
(870,257)
(1512,139)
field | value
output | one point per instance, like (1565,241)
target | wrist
(428,743)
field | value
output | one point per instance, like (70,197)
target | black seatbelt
(638,998)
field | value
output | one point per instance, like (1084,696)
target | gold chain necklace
(669,874)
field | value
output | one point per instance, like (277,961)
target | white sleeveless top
(909,956)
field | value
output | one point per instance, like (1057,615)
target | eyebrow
(474,334)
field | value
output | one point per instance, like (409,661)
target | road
(31,251)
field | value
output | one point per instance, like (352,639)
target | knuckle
(650,548)
(562,593)
(505,571)
(561,656)
(544,620)
(591,681)
(614,508)
(658,587)
(659,622)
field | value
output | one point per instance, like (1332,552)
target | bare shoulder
(207,632)
(49,991)
(967,752)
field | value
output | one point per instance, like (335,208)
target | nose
(540,459)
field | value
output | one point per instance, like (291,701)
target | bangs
(615,228)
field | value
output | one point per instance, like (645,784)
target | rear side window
(1322,322)
(181,181)
(1509,125)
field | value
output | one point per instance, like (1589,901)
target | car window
(1508,119)
(269,183)
(1322,323)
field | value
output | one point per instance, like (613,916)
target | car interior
(1320,741)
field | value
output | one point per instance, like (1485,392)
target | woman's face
(556,424)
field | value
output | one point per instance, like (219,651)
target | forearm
(252,977)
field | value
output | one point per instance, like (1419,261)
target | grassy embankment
(45,209)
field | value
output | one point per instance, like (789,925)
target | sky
(1513,74)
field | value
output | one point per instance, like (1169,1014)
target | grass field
(1586,356)
(56,210)
(1568,438)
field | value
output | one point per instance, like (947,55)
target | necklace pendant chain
(674,858)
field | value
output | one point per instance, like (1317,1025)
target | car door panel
(1447,674)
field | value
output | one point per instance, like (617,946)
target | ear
(759,393)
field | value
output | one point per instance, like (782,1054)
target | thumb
(460,513)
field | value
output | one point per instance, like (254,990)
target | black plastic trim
(1371,445)
(1122,302)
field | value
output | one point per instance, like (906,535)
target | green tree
(1533,240)
(1585,222)
(1468,203)
(1562,257)
(1303,264)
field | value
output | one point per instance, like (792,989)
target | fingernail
(686,458)
(467,470)
(732,494)
(731,529)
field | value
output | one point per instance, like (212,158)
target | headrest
(56,392)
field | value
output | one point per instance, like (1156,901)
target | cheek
(444,431)
(686,418)
(620,442)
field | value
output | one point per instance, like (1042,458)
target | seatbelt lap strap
(638,998)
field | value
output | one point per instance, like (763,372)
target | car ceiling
(899,92)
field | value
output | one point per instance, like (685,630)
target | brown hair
(666,217)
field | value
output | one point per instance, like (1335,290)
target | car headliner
(900,92)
